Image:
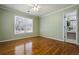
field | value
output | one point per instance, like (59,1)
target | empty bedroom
(39,29)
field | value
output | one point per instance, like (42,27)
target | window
(23,25)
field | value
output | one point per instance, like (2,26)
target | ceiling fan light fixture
(36,7)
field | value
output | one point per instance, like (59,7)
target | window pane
(23,25)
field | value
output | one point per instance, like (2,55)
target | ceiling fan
(35,8)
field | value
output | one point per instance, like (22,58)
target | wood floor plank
(38,46)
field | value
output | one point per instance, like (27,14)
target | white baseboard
(16,39)
(56,39)
(34,36)
(52,38)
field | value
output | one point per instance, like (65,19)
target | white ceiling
(44,8)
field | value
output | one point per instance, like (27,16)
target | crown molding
(59,10)
(15,11)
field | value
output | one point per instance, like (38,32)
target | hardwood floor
(38,46)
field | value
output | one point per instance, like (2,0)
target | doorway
(70,27)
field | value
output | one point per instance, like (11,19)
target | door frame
(76,27)
(63,28)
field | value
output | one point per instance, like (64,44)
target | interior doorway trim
(76,42)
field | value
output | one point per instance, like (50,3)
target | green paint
(49,26)
(52,25)
(7,25)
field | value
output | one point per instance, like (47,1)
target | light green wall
(0,26)
(51,25)
(7,25)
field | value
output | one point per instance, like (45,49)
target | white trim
(58,39)
(16,11)
(72,41)
(77,27)
(52,12)
(59,10)
(52,38)
(23,18)
(63,28)
(17,38)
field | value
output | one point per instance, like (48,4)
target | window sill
(23,33)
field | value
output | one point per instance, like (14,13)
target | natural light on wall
(23,25)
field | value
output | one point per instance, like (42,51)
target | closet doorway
(70,27)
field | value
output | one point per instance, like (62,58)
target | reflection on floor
(38,46)
(24,49)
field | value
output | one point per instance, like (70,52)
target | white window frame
(23,31)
